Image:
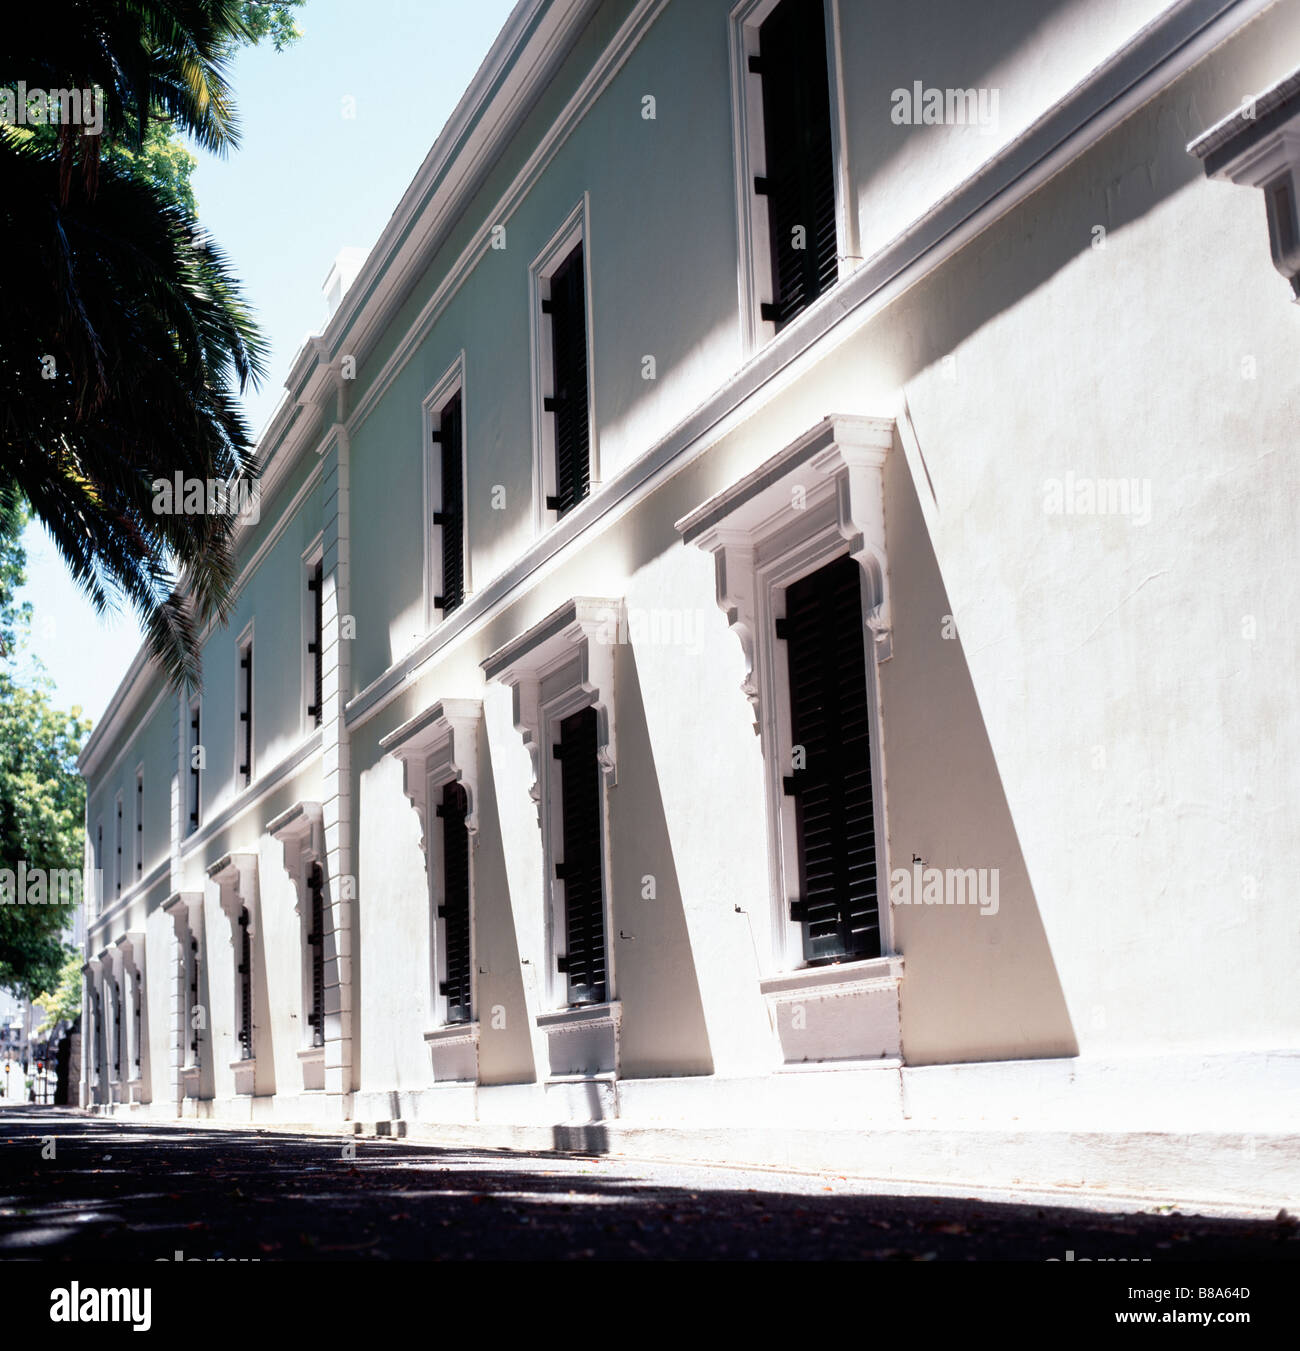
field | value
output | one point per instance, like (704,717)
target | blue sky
(305,182)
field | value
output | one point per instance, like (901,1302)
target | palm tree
(124,340)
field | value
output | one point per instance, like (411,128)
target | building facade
(766,632)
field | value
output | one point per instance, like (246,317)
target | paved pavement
(77,1187)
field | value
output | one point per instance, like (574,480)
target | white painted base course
(1222,1129)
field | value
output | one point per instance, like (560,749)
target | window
(139,823)
(194,747)
(562,372)
(453,912)
(301,833)
(245,973)
(315,646)
(117,1029)
(806,590)
(244,738)
(192,1016)
(438,752)
(99,867)
(812,615)
(450,518)
(562,675)
(567,308)
(830,786)
(446,556)
(580,866)
(100,1037)
(316,952)
(117,847)
(788,150)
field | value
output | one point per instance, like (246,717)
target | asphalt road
(128,1191)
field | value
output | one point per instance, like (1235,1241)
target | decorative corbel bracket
(301,833)
(1258,145)
(441,743)
(588,629)
(235,876)
(186,911)
(841,461)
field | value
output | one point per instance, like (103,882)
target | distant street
(143,1192)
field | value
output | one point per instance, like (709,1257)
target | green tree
(126,341)
(63,1002)
(42,796)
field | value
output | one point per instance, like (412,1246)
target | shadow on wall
(663,1028)
(505,1041)
(263,1025)
(981,982)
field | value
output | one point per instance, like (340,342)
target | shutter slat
(246,990)
(316,940)
(834,808)
(452,514)
(568,403)
(584,901)
(454,910)
(800,178)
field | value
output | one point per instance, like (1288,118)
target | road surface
(72,1186)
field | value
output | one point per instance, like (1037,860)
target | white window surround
(575,230)
(761,542)
(186,911)
(314,553)
(301,833)
(564,664)
(119,842)
(1258,145)
(437,747)
(235,876)
(94,1032)
(131,946)
(242,644)
(193,787)
(111,983)
(453,381)
(97,853)
(755,265)
(137,851)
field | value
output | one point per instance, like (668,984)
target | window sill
(582,1041)
(846,1014)
(453,1052)
(312,1060)
(245,1072)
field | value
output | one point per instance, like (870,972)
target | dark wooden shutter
(194,996)
(117,1029)
(246,714)
(118,834)
(195,742)
(567,308)
(245,987)
(451,515)
(139,825)
(454,910)
(580,870)
(139,996)
(800,180)
(100,1037)
(835,820)
(315,585)
(316,942)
